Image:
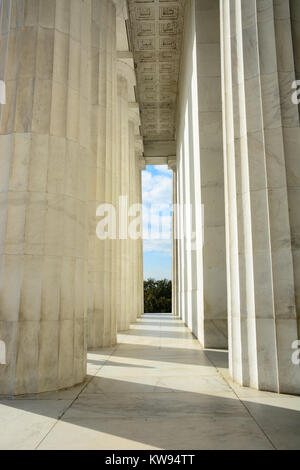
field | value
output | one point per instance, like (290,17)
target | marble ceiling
(156,28)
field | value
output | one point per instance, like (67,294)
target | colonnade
(70,142)
(262,174)
(131,148)
(240,61)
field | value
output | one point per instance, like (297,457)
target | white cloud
(157,217)
(157,222)
(162,246)
(157,189)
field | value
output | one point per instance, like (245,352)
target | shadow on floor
(218,358)
(165,354)
(178,400)
(116,364)
(117,414)
(159,334)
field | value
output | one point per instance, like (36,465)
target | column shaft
(123,139)
(201,219)
(174,248)
(44,153)
(102,174)
(141,308)
(131,242)
(128,129)
(295,20)
(292,145)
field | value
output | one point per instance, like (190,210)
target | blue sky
(157,195)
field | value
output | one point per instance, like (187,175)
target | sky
(157,201)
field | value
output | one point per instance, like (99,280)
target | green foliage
(158,296)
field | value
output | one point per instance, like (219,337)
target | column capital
(134,115)
(139,147)
(122,10)
(142,163)
(172,163)
(125,69)
(124,55)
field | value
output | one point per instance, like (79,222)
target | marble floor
(157,389)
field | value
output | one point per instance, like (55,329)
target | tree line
(158,296)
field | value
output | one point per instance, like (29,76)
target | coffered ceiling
(156,28)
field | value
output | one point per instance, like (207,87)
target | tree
(158,296)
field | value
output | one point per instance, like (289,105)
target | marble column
(123,141)
(139,270)
(136,147)
(131,242)
(212,325)
(4,30)
(44,154)
(180,232)
(292,139)
(126,144)
(172,164)
(115,179)
(102,175)
(201,215)
(295,21)
(261,140)
(141,166)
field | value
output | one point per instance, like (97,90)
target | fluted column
(295,20)
(262,141)
(102,175)
(126,139)
(131,242)
(123,145)
(141,166)
(201,214)
(172,163)
(212,321)
(292,142)
(44,153)
(121,114)
(4,30)
(136,148)
(115,179)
